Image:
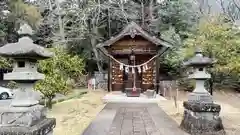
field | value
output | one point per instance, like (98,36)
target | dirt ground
(230,113)
(74,115)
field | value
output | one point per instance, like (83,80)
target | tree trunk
(50,5)
(49,102)
(60,23)
(143,14)
(151,10)
(93,43)
(98,62)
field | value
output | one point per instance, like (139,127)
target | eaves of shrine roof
(133,30)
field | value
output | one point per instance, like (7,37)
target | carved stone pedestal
(25,121)
(200,96)
(202,119)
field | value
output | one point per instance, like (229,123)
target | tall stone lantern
(201,114)
(25,115)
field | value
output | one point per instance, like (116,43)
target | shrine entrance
(134,77)
(133,59)
(139,77)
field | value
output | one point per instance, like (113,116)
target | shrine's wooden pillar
(157,74)
(154,75)
(110,75)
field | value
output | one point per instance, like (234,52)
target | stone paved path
(133,119)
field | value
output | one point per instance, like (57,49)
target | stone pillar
(201,114)
(25,116)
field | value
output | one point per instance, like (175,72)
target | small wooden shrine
(133,59)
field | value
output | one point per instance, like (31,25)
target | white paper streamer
(139,69)
(133,70)
(121,67)
(146,67)
(126,69)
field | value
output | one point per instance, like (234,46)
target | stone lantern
(25,115)
(199,64)
(201,115)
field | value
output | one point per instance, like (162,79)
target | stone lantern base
(25,121)
(202,119)
(43,127)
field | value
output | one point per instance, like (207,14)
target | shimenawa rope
(132,65)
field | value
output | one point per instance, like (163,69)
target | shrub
(58,70)
(187,84)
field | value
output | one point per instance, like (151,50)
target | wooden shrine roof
(133,30)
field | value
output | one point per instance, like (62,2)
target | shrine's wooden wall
(139,45)
(149,76)
(117,76)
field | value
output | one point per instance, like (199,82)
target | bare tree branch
(99,10)
(50,5)
(230,14)
(151,9)
(201,5)
(60,22)
(209,8)
(121,5)
(236,4)
(222,6)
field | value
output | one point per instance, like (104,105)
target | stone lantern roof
(198,60)
(25,48)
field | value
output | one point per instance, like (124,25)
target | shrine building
(133,59)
